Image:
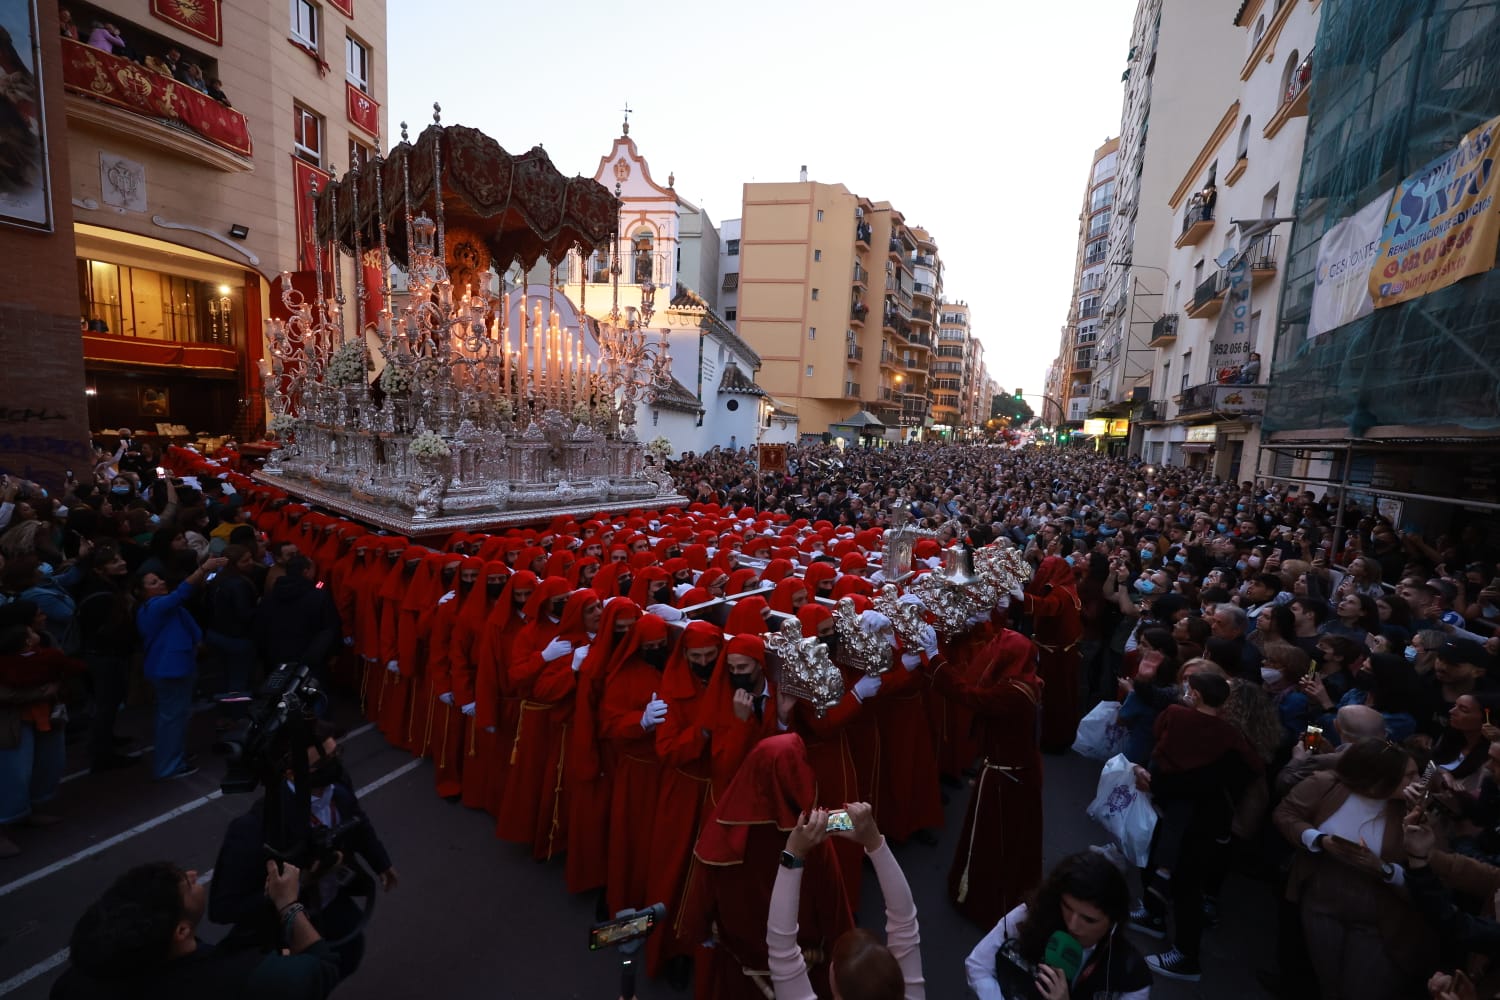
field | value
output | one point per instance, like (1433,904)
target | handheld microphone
(1064,954)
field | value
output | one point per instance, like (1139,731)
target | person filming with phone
(861,968)
(140,939)
(1067,943)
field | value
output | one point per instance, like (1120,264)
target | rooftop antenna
(626,126)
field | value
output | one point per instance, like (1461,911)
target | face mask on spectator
(1145,586)
(1241,565)
(1222,526)
(120,491)
(1270,675)
(1411,654)
(45,569)
(1253,562)
(1179,559)
(156,519)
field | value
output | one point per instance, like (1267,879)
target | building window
(730,315)
(305,22)
(1243,149)
(153,305)
(307,135)
(732,248)
(815,295)
(645,264)
(357,70)
(809,371)
(731,281)
(1187,365)
(812,333)
(359,153)
(820,215)
(817,255)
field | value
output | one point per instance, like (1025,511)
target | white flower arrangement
(394,379)
(660,447)
(428,445)
(503,408)
(349,364)
(582,414)
(282,424)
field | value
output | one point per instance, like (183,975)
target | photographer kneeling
(325,834)
(140,939)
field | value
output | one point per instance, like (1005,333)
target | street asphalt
(476,917)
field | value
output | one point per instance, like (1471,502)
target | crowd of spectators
(106,36)
(1305,687)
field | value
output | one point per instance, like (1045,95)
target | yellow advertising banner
(1443,224)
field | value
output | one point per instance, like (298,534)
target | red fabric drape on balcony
(117,81)
(137,351)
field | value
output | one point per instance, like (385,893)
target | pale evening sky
(979,126)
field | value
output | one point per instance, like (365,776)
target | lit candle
(525,354)
(504,362)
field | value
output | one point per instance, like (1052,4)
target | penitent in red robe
(999,855)
(1057,626)
(908,797)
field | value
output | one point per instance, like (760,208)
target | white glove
(556,649)
(348,640)
(469,708)
(579,655)
(866,686)
(911,661)
(912,599)
(927,635)
(665,612)
(680,589)
(655,713)
(1018,594)
(873,621)
(446,697)
(974,621)
(393,666)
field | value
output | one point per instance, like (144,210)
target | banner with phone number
(1443,224)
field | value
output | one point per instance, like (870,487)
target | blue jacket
(170,635)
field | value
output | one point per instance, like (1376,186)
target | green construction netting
(1395,83)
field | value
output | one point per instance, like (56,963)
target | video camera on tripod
(280,731)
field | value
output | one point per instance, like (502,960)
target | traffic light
(1018,395)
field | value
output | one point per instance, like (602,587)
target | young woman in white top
(1085,898)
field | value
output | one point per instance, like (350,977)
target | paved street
(474,917)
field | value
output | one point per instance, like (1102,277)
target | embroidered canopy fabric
(118,81)
(521,206)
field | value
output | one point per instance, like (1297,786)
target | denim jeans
(31,772)
(174,708)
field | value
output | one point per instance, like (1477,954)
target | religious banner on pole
(1443,224)
(1341,293)
(773,458)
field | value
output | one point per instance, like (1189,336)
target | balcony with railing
(857,313)
(895,251)
(1096,257)
(919,339)
(1197,221)
(888,357)
(1208,297)
(862,233)
(851,390)
(123,96)
(1221,399)
(1294,100)
(861,277)
(949,352)
(923,289)
(887,395)
(912,364)
(853,352)
(920,315)
(1163,331)
(1153,412)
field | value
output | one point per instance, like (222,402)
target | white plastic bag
(1100,734)
(1124,810)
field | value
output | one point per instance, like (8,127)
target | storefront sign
(1119,428)
(1342,292)
(1202,434)
(1443,224)
(1095,427)
(1240,399)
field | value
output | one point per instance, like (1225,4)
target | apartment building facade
(185,209)
(1209,385)
(1068,396)
(838,295)
(952,369)
(1175,93)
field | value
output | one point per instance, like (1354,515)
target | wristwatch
(790,860)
